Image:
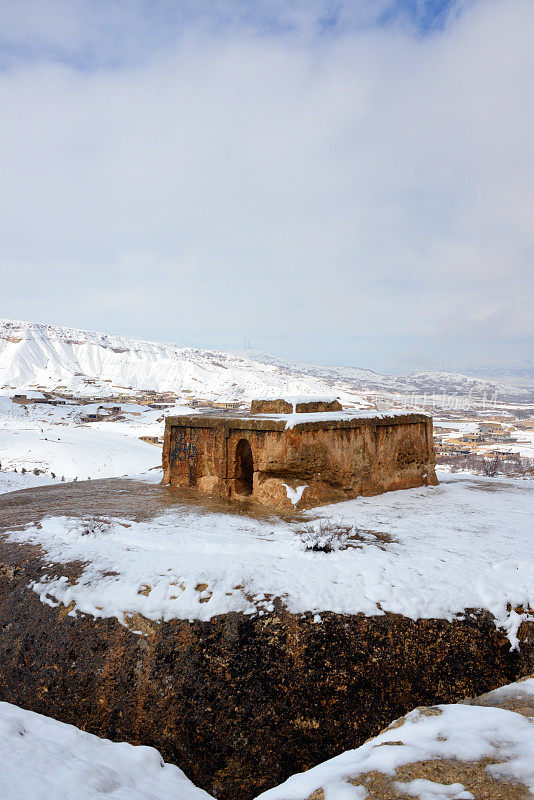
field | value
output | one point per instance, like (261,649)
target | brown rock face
(241,702)
(257,459)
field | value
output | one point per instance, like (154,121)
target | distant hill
(33,355)
(511,377)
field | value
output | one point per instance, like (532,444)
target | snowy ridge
(34,355)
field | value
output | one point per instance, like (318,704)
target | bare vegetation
(490,465)
(329,536)
(92,526)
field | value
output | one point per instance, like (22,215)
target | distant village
(112,407)
(497,430)
(488,443)
(460,437)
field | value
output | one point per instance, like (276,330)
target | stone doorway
(244,467)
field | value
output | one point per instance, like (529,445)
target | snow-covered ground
(52,439)
(466,543)
(450,734)
(424,553)
(78,453)
(42,759)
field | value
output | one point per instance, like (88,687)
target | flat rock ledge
(242,702)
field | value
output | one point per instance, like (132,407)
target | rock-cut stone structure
(305,452)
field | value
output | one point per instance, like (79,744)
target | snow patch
(430,790)
(42,758)
(294,495)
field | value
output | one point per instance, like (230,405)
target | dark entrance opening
(244,467)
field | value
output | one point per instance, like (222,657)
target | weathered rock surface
(241,702)
(518,697)
(445,741)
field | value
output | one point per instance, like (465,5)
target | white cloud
(372,182)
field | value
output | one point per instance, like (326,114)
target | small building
(490,427)
(310,458)
(232,405)
(451,448)
(525,425)
(503,436)
(504,454)
(473,437)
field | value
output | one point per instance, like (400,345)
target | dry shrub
(92,526)
(325,536)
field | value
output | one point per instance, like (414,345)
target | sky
(338,181)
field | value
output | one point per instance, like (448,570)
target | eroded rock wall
(342,463)
(335,464)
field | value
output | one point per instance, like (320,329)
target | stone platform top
(353,418)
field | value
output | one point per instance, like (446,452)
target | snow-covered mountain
(87,363)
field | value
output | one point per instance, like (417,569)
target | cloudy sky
(341,181)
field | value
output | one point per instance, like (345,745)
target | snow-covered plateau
(430,552)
